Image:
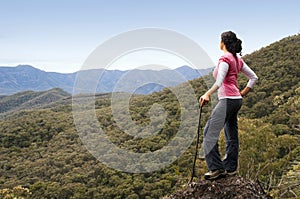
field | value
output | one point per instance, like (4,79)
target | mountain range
(25,77)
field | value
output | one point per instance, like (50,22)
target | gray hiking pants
(224,115)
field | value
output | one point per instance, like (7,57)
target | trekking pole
(197,143)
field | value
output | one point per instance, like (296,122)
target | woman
(224,115)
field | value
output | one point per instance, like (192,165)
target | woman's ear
(222,45)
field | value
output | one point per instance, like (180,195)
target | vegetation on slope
(29,100)
(278,69)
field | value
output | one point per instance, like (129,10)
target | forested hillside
(276,95)
(41,151)
(30,100)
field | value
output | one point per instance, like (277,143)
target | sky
(59,35)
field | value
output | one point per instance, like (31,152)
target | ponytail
(232,43)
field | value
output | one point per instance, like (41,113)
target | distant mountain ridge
(25,77)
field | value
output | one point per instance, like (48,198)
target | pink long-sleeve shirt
(226,75)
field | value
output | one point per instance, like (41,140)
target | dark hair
(232,43)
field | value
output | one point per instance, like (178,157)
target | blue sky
(59,35)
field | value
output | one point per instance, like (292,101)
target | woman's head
(231,42)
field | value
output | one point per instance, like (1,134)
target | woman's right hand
(204,99)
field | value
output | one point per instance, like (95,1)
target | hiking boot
(231,173)
(212,175)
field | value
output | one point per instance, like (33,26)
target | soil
(225,188)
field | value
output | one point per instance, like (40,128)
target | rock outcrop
(225,188)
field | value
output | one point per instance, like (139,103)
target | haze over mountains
(26,77)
